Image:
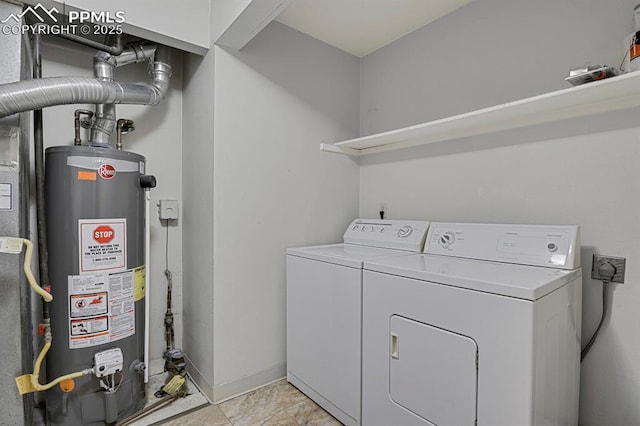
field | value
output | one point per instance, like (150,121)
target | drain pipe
(112,43)
(147,281)
(36,94)
(114,49)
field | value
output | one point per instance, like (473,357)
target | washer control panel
(538,245)
(406,235)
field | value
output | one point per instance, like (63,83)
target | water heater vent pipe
(36,94)
(42,93)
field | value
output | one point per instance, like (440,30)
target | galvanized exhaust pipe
(42,93)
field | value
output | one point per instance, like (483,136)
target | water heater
(95,213)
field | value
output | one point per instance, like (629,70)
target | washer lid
(520,281)
(342,254)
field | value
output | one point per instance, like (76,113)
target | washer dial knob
(405,231)
(446,239)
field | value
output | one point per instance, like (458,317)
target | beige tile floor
(193,400)
(277,404)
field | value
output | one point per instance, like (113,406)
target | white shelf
(591,98)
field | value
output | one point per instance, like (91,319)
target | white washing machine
(324,310)
(483,329)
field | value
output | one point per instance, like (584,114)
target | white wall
(582,171)
(235,23)
(224,13)
(197,192)
(275,101)
(157,136)
(486,53)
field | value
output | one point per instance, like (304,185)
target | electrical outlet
(618,263)
(383,211)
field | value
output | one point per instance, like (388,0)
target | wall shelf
(591,98)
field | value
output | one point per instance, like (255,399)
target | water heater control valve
(108,362)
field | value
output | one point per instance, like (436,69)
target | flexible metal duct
(36,94)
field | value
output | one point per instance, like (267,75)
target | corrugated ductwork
(100,90)
(37,94)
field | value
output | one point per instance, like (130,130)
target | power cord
(607,271)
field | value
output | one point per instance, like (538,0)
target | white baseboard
(199,379)
(220,393)
(246,384)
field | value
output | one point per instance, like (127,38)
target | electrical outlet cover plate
(618,262)
(168,209)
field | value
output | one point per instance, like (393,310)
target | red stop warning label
(103,244)
(103,234)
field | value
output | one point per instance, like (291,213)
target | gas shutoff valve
(108,362)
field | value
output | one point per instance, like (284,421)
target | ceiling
(363,26)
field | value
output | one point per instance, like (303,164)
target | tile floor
(277,404)
(194,399)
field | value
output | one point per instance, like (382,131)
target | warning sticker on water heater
(103,244)
(89,327)
(101,308)
(82,305)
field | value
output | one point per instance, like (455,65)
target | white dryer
(324,310)
(482,329)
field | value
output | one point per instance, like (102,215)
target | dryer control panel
(538,245)
(406,235)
